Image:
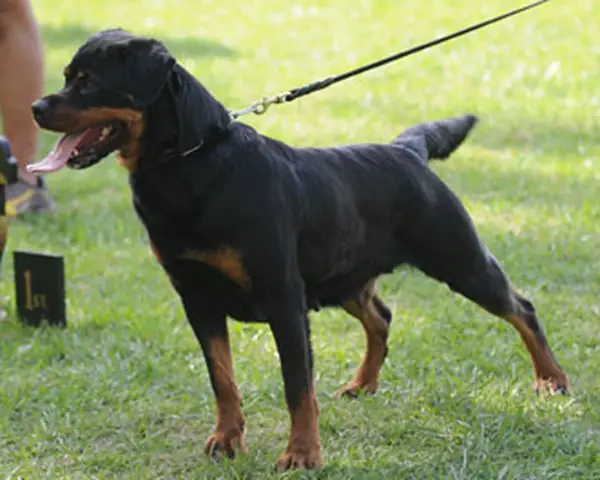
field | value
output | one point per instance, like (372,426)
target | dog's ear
(148,65)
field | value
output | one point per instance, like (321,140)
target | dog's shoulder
(245,139)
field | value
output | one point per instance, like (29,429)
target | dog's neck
(183,120)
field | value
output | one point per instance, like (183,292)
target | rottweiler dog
(250,228)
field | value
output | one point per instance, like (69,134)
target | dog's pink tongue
(59,156)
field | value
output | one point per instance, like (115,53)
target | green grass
(124,393)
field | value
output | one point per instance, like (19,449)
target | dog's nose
(39,108)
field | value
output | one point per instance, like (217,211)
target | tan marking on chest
(156,252)
(226,259)
(129,155)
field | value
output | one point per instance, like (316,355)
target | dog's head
(109,84)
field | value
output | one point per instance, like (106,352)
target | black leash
(261,106)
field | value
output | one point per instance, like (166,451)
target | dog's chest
(188,246)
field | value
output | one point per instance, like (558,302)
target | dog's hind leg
(375,318)
(491,290)
(436,140)
(484,282)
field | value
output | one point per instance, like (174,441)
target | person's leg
(21,82)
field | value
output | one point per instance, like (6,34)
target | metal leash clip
(260,106)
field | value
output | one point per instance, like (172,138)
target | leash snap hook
(263,104)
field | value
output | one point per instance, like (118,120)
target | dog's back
(358,206)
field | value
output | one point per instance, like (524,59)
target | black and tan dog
(251,228)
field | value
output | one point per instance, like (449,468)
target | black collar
(174,154)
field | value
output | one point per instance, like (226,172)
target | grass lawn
(124,393)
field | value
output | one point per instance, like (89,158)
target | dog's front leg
(210,327)
(289,324)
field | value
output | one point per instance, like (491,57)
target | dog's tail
(437,140)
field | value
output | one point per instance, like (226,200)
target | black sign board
(40,288)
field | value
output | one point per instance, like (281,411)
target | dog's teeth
(105,133)
(75,152)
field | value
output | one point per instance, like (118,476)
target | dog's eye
(82,80)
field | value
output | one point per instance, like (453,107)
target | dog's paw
(307,458)
(227,444)
(558,385)
(354,388)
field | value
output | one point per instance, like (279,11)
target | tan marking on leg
(548,373)
(304,446)
(228,437)
(376,331)
(227,260)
